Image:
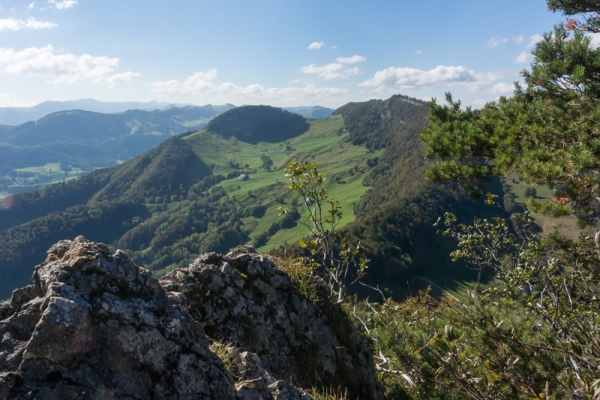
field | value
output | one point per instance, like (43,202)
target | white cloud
(495,41)
(419,52)
(441,77)
(62,68)
(518,39)
(502,88)
(404,78)
(202,87)
(316,45)
(524,57)
(13,24)
(351,60)
(334,47)
(31,6)
(64,4)
(595,39)
(533,39)
(330,71)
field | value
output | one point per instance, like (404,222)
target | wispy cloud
(64,4)
(330,71)
(419,52)
(533,40)
(351,60)
(316,45)
(401,79)
(8,100)
(202,86)
(524,57)
(502,88)
(495,41)
(13,24)
(518,39)
(62,68)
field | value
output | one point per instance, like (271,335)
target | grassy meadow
(324,144)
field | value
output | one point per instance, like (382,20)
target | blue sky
(277,52)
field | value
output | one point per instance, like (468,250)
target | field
(36,177)
(565,225)
(324,144)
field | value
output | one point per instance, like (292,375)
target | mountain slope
(65,144)
(184,198)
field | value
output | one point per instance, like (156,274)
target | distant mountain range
(20,115)
(311,112)
(83,140)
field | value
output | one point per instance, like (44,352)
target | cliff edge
(96,326)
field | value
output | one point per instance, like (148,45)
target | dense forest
(253,124)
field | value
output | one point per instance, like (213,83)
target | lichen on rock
(94,325)
(244,299)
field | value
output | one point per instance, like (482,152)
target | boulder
(95,326)
(244,299)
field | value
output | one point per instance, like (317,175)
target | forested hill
(101,205)
(253,124)
(19,115)
(396,215)
(87,139)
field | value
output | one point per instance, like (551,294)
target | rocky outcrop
(244,299)
(95,326)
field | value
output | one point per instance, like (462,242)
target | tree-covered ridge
(396,215)
(375,123)
(253,124)
(170,168)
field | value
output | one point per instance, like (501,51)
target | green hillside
(186,196)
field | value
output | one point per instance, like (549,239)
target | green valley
(221,187)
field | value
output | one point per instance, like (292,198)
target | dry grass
(228,354)
(330,394)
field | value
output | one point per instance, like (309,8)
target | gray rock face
(244,299)
(95,326)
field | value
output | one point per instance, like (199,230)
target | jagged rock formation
(95,326)
(244,299)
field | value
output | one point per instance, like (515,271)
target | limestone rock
(244,299)
(96,326)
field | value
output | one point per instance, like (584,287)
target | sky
(275,52)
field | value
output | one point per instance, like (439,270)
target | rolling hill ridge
(185,197)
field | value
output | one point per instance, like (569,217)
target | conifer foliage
(535,331)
